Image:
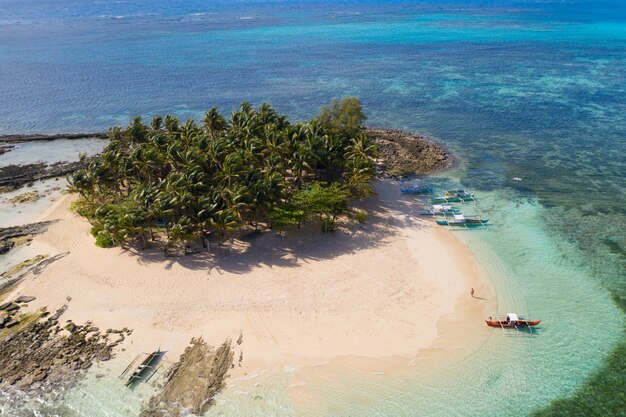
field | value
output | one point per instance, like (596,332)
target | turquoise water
(531,89)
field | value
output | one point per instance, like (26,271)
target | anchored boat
(461,220)
(417,189)
(441,210)
(453,196)
(511,321)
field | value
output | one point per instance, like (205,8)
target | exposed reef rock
(34,137)
(16,176)
(39,356)
(403,154)
(13,276)
(16,235)
(193,382)
(24,198)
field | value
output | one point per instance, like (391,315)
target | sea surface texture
(530,95)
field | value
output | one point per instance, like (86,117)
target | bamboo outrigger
(417,189)
(461,220)
(453,196)
(146,369)
(512,321)
(440,210)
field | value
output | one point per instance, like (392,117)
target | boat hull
(444,200)
(441,214)
(473,223)
(495,323)
(417,191)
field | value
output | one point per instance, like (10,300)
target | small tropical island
(255,167)
(245,232)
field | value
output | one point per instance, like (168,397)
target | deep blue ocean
(534,90)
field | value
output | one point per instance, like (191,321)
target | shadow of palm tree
(388,214)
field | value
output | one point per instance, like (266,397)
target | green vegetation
(360,216)
(188,182)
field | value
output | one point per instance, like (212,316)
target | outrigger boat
(417,189)
(453,196)
(511,321)
(461,220)
(441,210)
(146,369)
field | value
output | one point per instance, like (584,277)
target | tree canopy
(189,181)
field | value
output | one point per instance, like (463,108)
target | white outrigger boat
(462,220)
(440,210)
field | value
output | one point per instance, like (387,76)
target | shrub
(104,241)
(328,225)
(361,216)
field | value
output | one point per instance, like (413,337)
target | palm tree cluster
(185,181)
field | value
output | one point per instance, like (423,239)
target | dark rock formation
(24,299)
(403,154)
(38,357)
(33,137)
(10,236)
(15,176)
(193,382)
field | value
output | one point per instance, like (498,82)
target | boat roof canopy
(459,216)
(512,316)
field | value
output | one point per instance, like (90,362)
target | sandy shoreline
(385,295)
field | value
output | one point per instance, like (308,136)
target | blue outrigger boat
(417,189)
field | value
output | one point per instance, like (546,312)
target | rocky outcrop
(24,198)
(39,356)
(402,154)
(33,137)
(13,276)
(13,236)
(15,176)
(193,382)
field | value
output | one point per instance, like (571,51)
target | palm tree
(214,122)
(190,180)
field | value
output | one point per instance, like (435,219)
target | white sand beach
(395,287)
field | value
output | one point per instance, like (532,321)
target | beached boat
(417,189)
(146,369)
(510,320)
(461,220)
(453,196)
(440,210)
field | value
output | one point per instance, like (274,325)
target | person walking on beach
(472,292)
